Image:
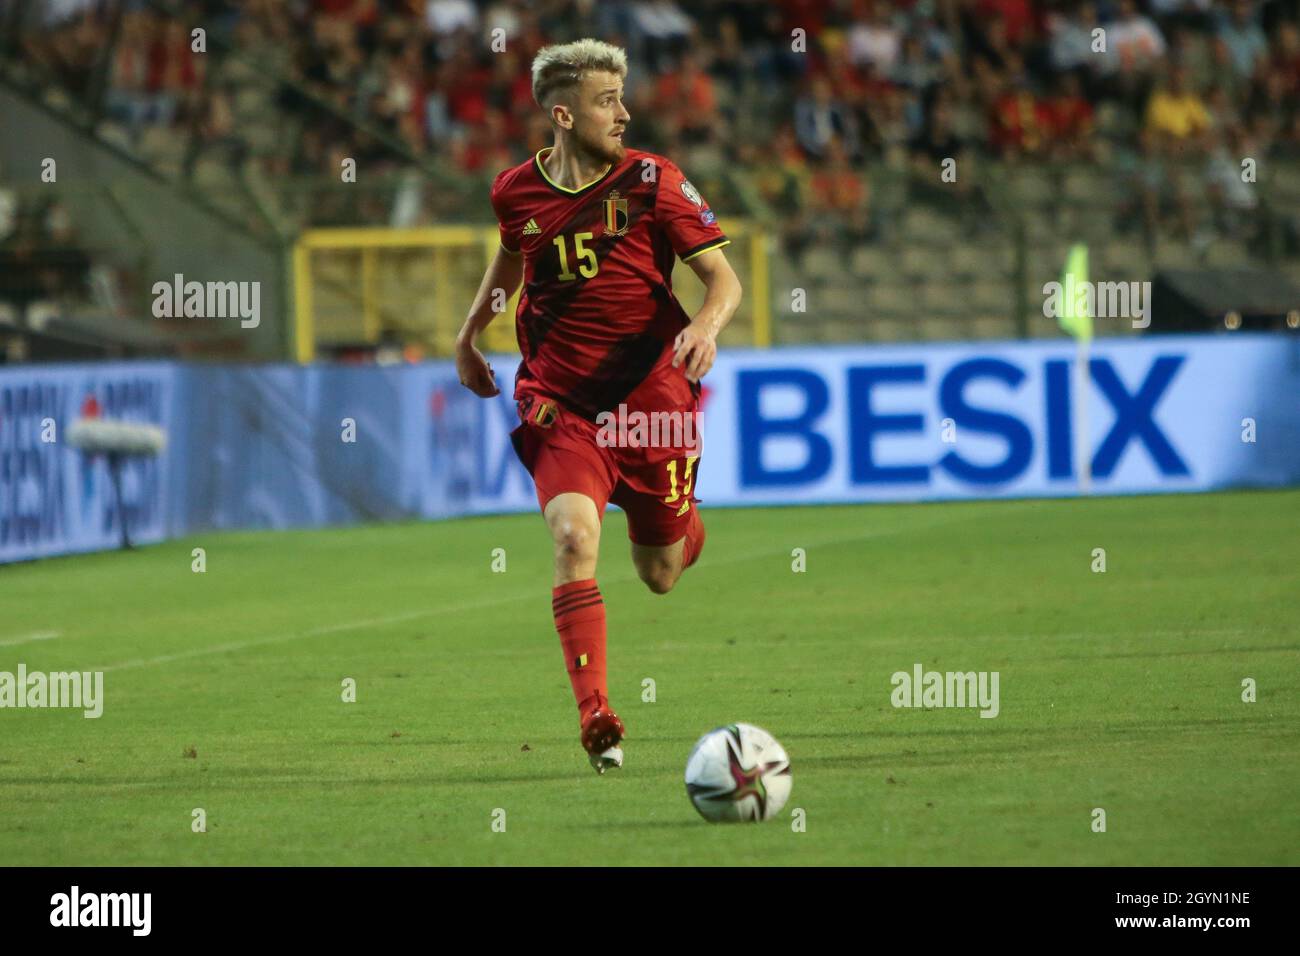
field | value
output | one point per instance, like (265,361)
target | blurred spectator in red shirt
(840,196)
(1021,21)
(1068,119)
(684,97)
(1017,121)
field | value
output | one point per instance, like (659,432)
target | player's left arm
(696,345)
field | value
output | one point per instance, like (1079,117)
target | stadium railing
(359,288)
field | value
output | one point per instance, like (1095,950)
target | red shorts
(653,485)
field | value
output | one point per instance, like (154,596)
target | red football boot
(602,731)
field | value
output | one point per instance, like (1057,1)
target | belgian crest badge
(616,218)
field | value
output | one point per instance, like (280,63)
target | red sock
(694,543)
(580,620)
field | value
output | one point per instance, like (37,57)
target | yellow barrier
(355,286)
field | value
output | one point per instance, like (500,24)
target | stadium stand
(826,121)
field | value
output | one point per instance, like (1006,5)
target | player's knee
(574,541)
(659,578)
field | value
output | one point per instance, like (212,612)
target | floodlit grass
(1120,690)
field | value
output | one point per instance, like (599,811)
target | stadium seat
(871,262)
(162,148)
(934,328)
(1082,185)
(921,224)
(991,295)
(1226,254)
(993,326)
(1032,187)
(1043,327)
(921,263)
(889,328)
(892,298)
(1174,255)
(1044,263)
(838,299)
(1282,182)
(1124,257)
(824,262)
(944,298)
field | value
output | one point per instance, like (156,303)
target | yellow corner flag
(1076,315)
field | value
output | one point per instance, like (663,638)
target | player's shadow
(566,777)
(1205,652)
(639,824)
(981,728)
(247,779)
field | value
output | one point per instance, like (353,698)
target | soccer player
(592,229)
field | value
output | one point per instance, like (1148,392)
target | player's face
(599,117)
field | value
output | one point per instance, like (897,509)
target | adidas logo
(532,229)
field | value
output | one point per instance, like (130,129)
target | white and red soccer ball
(738,773)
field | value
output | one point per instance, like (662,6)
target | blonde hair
(559,68)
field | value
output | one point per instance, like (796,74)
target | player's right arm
(499,284)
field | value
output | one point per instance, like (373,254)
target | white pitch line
(495,602)
(34,636)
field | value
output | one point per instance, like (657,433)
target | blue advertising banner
(460,460)
(53,498)
(992,420)
(287,446)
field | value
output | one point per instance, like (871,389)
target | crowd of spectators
(43,261)
(805,98)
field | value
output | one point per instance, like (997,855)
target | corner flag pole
(1076,319)
(1081,452)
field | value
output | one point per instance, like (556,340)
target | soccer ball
(738,773)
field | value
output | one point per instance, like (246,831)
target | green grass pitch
(1120,690)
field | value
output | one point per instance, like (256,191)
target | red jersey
(597,316)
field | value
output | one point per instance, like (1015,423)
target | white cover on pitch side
(130,438)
